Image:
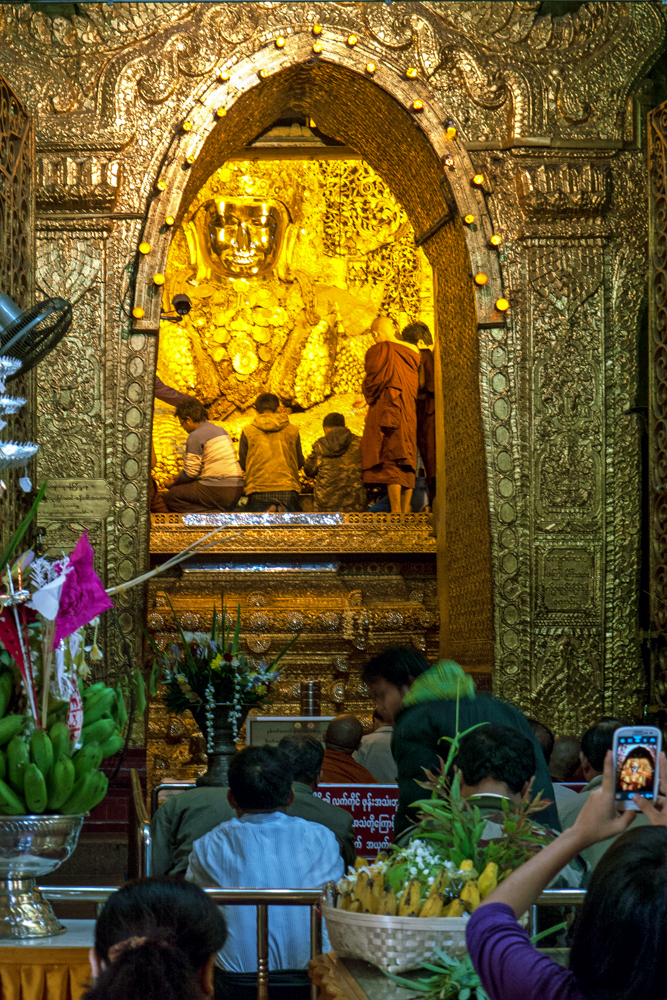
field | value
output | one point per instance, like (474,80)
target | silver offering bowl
(31,847)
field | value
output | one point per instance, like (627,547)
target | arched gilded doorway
(391,135)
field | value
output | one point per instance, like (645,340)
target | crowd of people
(163,937)
(395,452)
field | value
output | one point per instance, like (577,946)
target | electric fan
(29,336)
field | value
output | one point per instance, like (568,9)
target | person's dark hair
(305,753)
(618,949)
(544,737)
(260,778)
(267,401)
(564,758)
(395,665)
(333,420)
(414,332)
(191,409)
(182,928)
(597,740)
(497,752)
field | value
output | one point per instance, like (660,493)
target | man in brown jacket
(270,455)
(335,465)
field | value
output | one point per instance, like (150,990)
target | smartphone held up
(636,750)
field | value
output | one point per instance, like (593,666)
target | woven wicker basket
(395,944)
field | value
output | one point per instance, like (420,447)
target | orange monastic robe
(340,768)
(389,442)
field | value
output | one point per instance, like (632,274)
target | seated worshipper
(342,738)
(306,754)
(375,753)
(335,465)
(563,763)
(415,333)
(211,476)
(155,939)
(544,737)
(618,942)
(167,394)
(270,456)
(389,441)
(496,763)
(595,743)
(188,815)
(421,701)
(262,847)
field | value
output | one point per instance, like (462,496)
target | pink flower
(83,595)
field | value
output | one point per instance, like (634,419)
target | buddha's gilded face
(245,234)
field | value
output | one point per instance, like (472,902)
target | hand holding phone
(636,768)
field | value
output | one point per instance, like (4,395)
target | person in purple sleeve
(167,394)
(618,950)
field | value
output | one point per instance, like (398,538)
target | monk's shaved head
(382,328)
(344,733)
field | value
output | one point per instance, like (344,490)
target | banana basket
(395,944)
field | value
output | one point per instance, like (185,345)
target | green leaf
(22,528)
(550,930)
(464,994)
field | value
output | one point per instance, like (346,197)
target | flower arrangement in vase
(209,675)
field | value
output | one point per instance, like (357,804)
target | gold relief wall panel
(546,462)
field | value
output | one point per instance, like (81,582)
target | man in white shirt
(264,848)
(375,753)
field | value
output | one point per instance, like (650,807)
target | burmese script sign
(373,808)
(568,579)
(71,499)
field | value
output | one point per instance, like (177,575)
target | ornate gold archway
(407,148)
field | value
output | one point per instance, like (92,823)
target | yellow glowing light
(158,279)
(469,219)
(263,73)
(502,305)
(317,29)
(280,42)
(495,240)
(169,221)
(187,126)
(161,185)
(370,67)
(478,179)
(190,159)
(138,312)
(352,39)
(451,132)
(481,279)
(417,105)
(223,75)
(311,123)
(411,72)
(448,161)
(144,248)
(317,48)
(221,112)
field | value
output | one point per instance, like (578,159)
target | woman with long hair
(156,939)
(618,949)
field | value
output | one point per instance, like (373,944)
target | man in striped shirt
(211,478)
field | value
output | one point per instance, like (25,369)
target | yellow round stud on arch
(502,305)
(190,159)
(352,39)
(158,279)
(411,72)
(280,42)
(187,126)
(138,312)
(263,73)
(481,278)
(144,248)
(169,221)
(161,185)
(317,29)
(495,240)
(469,219)
(451,132)
(370,68)
(223,75)
(221,112)
(478,179)
(317,48)
(417,105)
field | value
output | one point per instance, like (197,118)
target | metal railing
(166,785)
(140,827)
(261,898)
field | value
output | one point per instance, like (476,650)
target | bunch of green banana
(40,771)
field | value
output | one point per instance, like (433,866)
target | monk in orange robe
(416,333)
(389,442)
(342,738)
